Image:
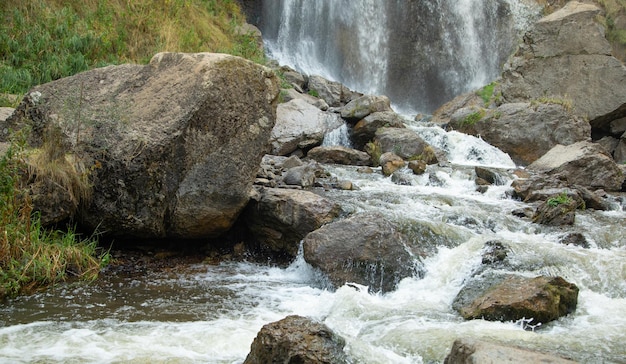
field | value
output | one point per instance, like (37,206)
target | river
(203,313)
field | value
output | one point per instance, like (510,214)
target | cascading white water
(419,53)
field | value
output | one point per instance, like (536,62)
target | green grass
(44,40)
(472,118)
(30,255)
(560,199)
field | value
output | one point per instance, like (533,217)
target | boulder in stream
(468,351)
(366,249)
(297,339)
(584,163)
(340,155)
(279,218)
(507,297)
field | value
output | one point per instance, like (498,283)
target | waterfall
(419,53)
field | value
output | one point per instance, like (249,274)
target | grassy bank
(31,256)
(44,40)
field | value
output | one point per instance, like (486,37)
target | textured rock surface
(523,130)
(173,146)
(366,249)
(365,129)
(300,124)
(566,56)
(470,351)
(296,339)
(583,163)
(280,218)
(340,155)
(512,298)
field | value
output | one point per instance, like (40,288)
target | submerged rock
(296,339)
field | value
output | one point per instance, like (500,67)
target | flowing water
(211,313)
(206,313)
(419,53)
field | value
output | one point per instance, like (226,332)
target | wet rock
(490,176)
(300,125)
(366,249)
(365,130)
(296,339)
(494,253)
(558,210)
(418,166)
(280,218)
(498,297)
(340,155)
(401,179)
(390,163)
(577,239)
(523,130)
(583,163)
(468,351)
(405,143)
(172,147)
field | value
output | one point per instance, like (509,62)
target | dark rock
(577,239)
(418,166)
(496,297)
(366,249)
(558,210)
(296,339)
(340,155)
(365,130)
(280,218)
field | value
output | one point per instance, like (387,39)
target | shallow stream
(202,313)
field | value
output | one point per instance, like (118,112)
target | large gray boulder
(334,93)
(361,107)
(171,148)
(365,248)
(297,339)
(566,56)
(280,218)
(470,351)
(584,163)
(525,131)
(300,125)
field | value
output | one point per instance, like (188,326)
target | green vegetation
(374,149)
(314,93)
(486,93)
(565,102)
(30,255)
(560,199)
(44,40)
(473,118)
